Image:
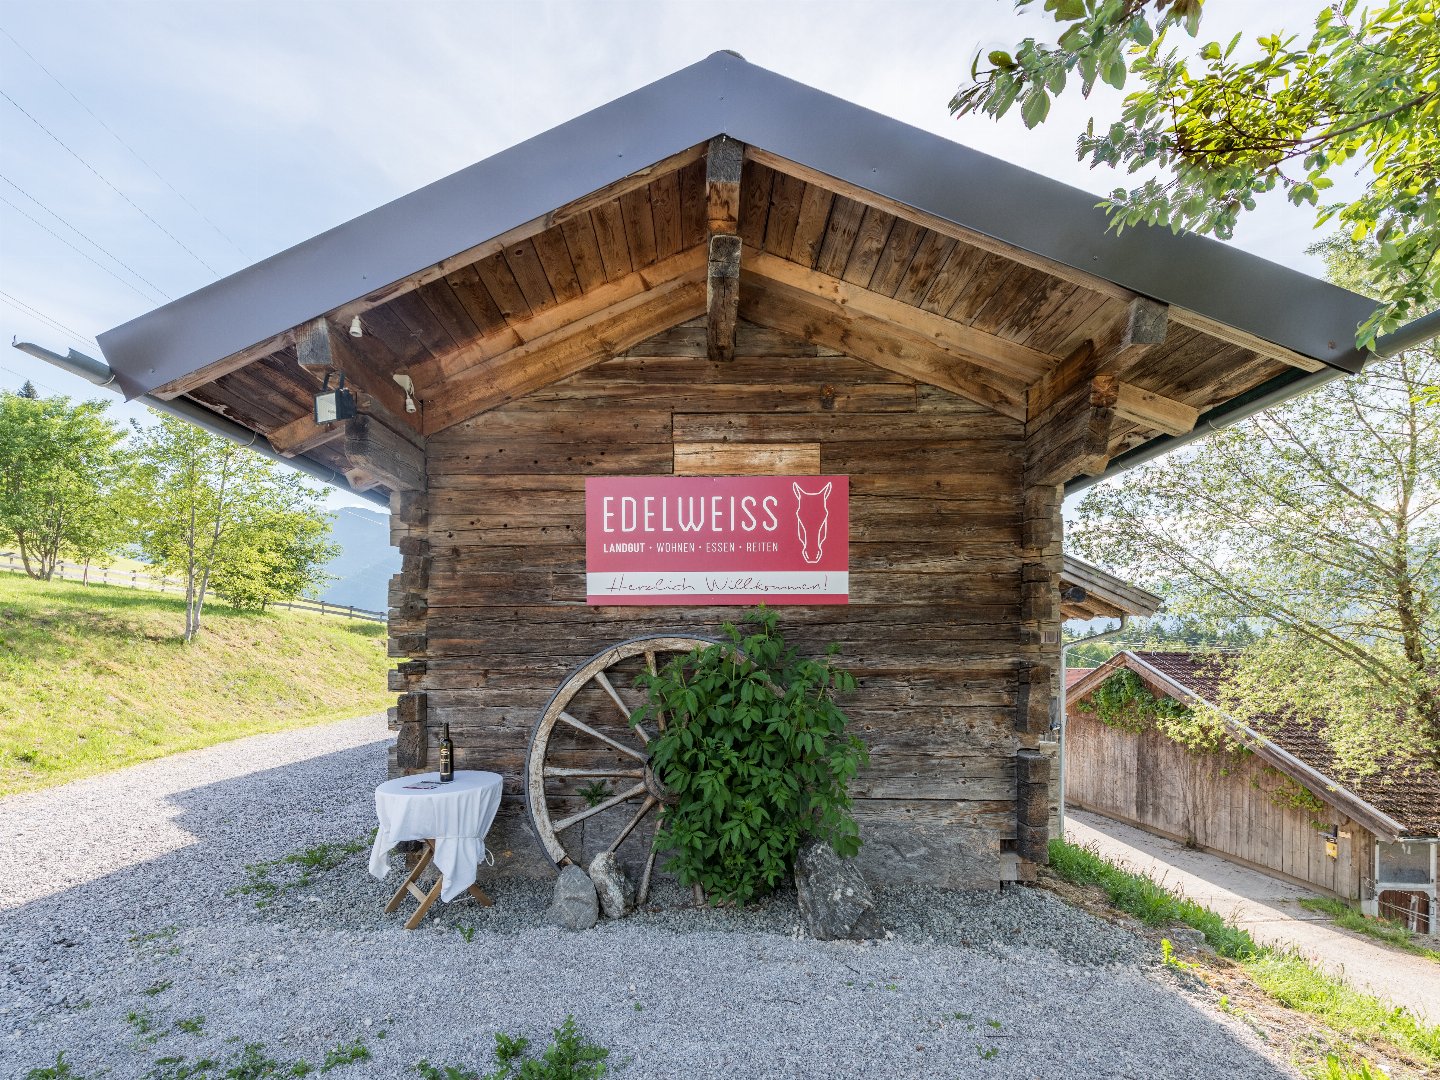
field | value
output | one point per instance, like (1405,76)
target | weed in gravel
(568,1057)
(61,1070)
(1386,930)
(467,932)
(158,987)
(142,1022)
(177,1068)
(443,1072)
(260,882)
(1168,957)
(988,1055)
(158,942)
(345,1054)
(190,1025)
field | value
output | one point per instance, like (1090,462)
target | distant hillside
(95,677)
(366,562)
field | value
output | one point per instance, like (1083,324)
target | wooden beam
(303,435)
(319,347)
(746,459)
(389,291)
(722,296)
(723,163)
(432,375)
(1112,351)
(567,350)
(1155,412)
(894,348)
(224,366)
(1074,436)
(383,455)
(1004,357)
(723,160)
(1063,271)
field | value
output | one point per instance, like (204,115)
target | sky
(150,148)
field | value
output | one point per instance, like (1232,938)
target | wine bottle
(447,756)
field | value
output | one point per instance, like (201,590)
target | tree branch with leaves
(1223,125)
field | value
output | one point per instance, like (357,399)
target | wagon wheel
(588,781)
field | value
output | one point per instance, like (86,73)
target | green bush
(754,754)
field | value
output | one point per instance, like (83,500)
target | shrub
(754,754)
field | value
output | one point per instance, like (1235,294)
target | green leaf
(1035,107)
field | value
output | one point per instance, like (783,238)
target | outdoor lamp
(337,404)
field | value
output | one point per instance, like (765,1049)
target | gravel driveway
(126,943)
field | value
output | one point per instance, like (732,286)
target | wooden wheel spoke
(644,892)
(601,807)
(625,711)
(580,725)
(649,804)
(561,772)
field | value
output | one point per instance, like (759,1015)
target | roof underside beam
(723,164)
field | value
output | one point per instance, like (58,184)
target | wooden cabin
(1281,804)
(727,273)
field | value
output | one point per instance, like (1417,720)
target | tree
(1363,94)
(1317,524)
(217,515)
(282,548)
(61,480)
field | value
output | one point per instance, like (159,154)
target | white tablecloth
(456,816)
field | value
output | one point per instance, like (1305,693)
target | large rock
(575,907)
(615,890)
(835,902)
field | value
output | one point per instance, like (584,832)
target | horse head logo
(812,520)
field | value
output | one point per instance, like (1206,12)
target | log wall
(1224,803)
(953,570)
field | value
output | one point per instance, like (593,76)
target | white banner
(701,584)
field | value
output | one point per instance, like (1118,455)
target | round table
(450,819)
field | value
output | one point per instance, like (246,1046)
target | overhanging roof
(1106,596)
(723,94)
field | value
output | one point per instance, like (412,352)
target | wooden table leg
(427,853)
(426,899)
(480,896)
(412,885)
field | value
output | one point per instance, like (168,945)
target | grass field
(95,677)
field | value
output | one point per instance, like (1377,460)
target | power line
(29,379)
(135,153)
(34,312)
(41,225)
(87,239)
(108,184)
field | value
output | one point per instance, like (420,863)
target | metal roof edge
(724,94)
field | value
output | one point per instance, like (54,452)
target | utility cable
(41,225)
(110,185)
(87,239)
(29,378)
(135,153)
(26,309)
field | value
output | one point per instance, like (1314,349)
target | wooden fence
(138,579)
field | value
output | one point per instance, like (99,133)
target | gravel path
(125,923)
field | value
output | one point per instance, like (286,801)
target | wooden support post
(379,455)
(1072,437)
(722,208)
(1032,807)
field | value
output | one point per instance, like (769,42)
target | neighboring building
(729,274)
(1285,807)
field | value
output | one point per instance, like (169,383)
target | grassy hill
(95,677)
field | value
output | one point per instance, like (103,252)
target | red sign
(664,540)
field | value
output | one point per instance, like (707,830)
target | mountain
(366,562)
